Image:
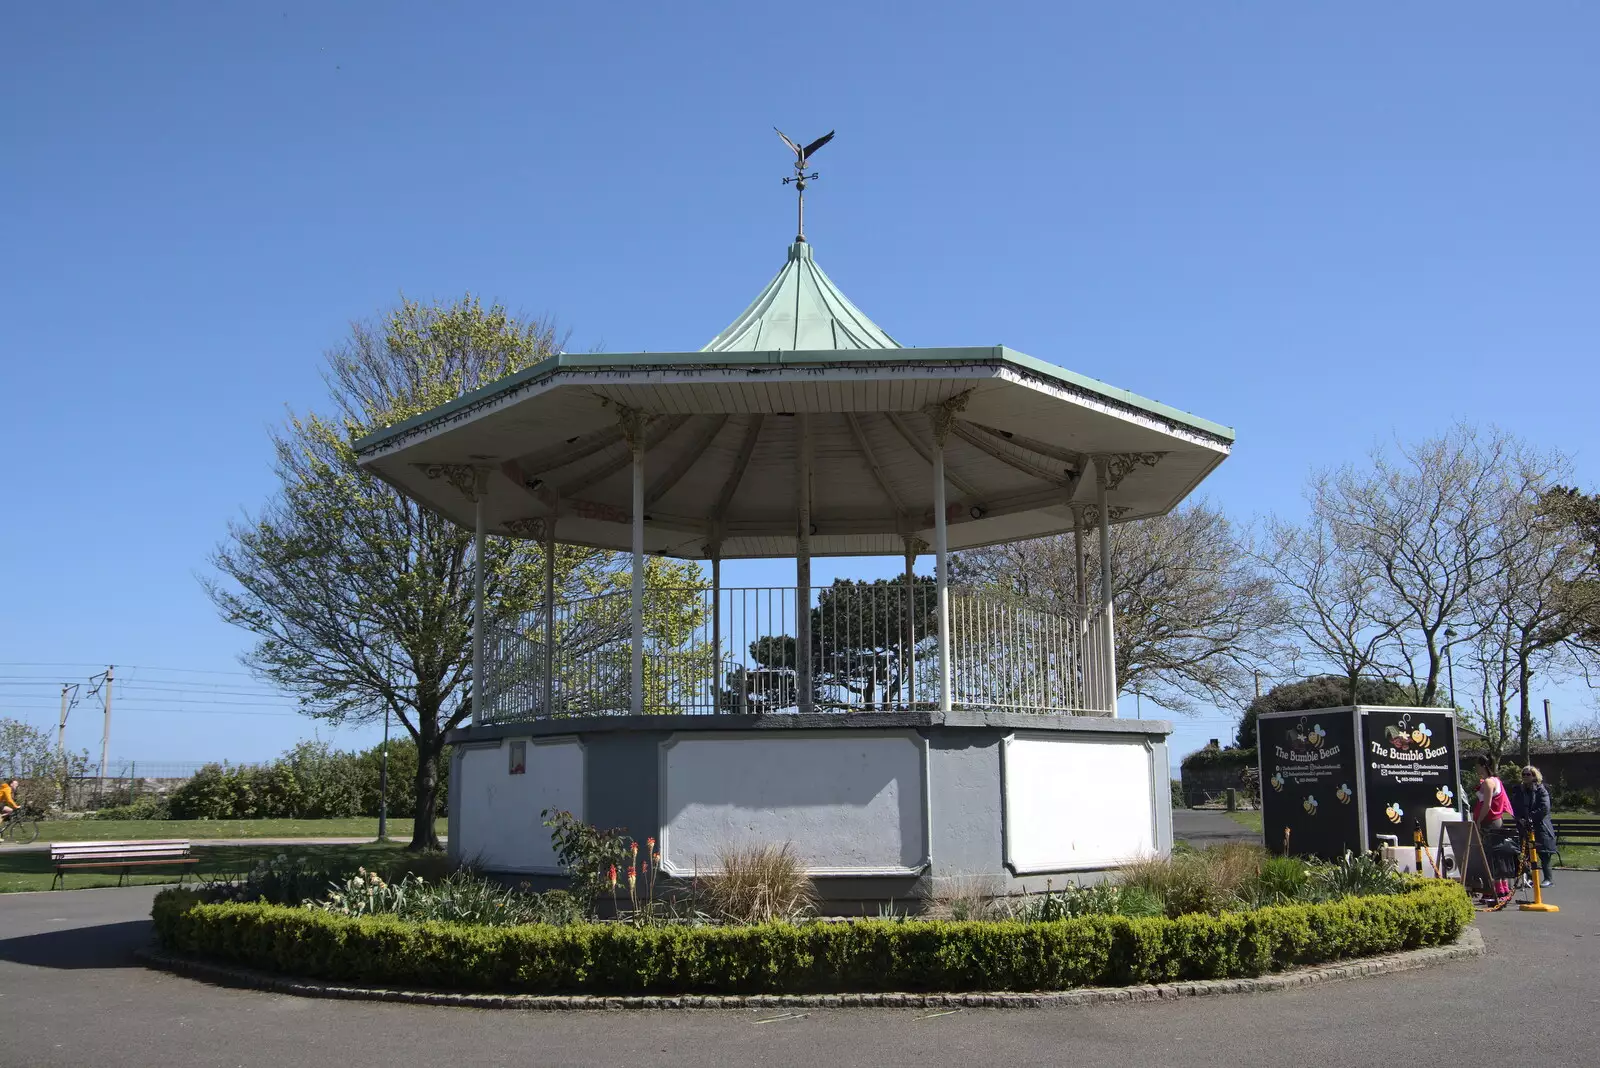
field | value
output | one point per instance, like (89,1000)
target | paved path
(1203,827)
(70,995)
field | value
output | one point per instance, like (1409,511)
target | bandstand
(902,736)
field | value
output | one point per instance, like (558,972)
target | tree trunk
(1525,729)
(430,743)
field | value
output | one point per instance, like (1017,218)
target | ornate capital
(471,482)
(1112,467)
(633,422)
(1091,514)
(943,415)
(532,529)
(915,546)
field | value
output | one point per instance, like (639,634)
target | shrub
(868,955)
(1203,881)
(757,884)
(1358,873)
(592,858)
(1177,794)
(1097,899)
(457,898)
(143,808)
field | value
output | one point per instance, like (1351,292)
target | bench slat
(129,863)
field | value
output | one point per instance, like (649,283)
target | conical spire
(800,310)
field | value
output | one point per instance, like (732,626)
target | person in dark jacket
(1530,801)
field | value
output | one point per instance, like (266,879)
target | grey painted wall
(965,794)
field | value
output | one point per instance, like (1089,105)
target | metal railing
(874,647)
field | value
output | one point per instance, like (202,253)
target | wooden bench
(1570,831)
(125,856)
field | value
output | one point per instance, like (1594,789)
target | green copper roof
(801,310)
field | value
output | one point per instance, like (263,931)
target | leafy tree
(28,753)
(1319,691)
(361,599)
(860,655)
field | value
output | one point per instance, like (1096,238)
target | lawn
(129,830)
(30,869)
(1571,856)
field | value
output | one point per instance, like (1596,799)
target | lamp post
(1450,663)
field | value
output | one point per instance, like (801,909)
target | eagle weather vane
(802,157)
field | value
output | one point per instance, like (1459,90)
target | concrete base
(881,807)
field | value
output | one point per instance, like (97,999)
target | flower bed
(860,956)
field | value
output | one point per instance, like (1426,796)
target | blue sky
(1325,227)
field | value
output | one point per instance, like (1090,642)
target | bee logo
(1444,795)
(1277,782)
(1318,735)
(1394,812)
(1343,794)
(1310,805)
(1422,735)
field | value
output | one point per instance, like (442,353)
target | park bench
(125,856)
(1570,831)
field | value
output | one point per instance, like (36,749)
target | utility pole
(105,731)
(61,725)
(1549,734)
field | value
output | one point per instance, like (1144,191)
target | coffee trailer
(1334,779)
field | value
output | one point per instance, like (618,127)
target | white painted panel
(1074,803)
(499,820)
(850,803)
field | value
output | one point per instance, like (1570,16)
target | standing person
(1492,807)
(1493,804)
(1530,800)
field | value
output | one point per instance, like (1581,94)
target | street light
(1450,663)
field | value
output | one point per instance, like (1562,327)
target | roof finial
(802,156)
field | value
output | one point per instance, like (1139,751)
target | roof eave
(842,358)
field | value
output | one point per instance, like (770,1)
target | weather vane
(802,157)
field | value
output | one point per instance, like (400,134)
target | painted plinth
(878,806)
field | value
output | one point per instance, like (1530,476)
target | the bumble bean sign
(1336,778)
(1309,781)
(1408,764)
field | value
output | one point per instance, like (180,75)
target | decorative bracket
(943,415)
(1091,514)
(915,546)
(532,529)
(1112,468)
(469,481)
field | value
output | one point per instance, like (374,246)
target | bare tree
(1426,520)
(1332,599)
(1194,619)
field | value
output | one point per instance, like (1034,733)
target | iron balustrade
(874,647)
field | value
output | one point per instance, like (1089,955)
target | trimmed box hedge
(863,956)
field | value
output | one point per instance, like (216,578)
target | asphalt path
(71,995)
(1204,827)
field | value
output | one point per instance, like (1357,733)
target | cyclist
(8,799)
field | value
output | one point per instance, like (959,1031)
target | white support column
(908,655)
(941,547)
(716,626)
(548,696)
(636,608)
(802,566)
(479,488)
(1107,589)
(1081,578)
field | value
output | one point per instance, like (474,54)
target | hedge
(861,956)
